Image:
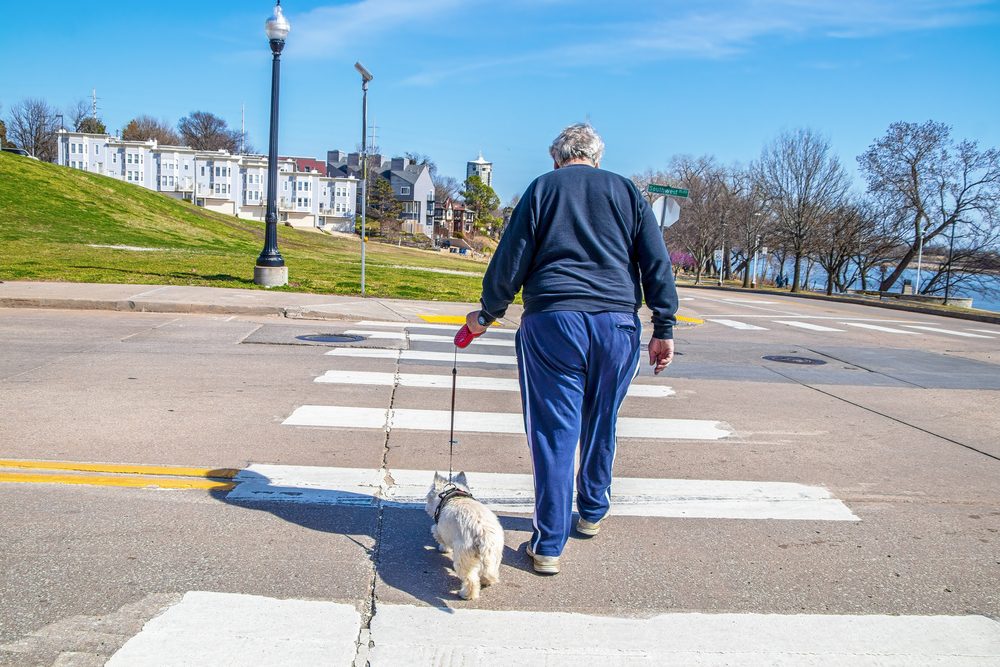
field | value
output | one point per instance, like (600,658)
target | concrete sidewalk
(220,300)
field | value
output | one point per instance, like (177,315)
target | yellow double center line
(112,474)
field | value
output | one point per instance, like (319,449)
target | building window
(404,190)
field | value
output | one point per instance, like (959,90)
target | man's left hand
(472,321)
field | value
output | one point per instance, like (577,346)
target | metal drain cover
(331,338)
(786,359)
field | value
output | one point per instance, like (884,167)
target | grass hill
(54,220)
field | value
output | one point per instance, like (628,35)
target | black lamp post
(271,270)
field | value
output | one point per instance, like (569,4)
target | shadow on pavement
(404,553)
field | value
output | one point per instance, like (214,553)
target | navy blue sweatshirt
(583,239)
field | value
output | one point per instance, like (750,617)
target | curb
(985,317)
(290,312)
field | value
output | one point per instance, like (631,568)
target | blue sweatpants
(575,369)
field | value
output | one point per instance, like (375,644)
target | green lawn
(52,216)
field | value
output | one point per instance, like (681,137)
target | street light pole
(270,270)
(756,251)
(366,76)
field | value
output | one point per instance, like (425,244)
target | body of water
(986,297)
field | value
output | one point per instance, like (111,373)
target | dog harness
(445,496)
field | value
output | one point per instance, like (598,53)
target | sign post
(666,210)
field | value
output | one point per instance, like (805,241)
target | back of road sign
(666,210)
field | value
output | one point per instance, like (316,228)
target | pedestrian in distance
(585,247)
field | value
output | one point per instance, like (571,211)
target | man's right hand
(661,353)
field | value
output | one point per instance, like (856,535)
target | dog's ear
(460,478)
(439,479)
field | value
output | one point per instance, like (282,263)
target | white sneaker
(587,528)
(543,564)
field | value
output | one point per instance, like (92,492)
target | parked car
(18,151)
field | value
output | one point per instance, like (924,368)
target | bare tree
(205,131)
(82,119)
(445,187)
(748,211)
(144,128)
(967,262)
(934,182)
(32,125)
(701,227)
(803,180)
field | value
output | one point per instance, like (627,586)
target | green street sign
(654,189)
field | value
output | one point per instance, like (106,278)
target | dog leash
(462,340)
(451,435)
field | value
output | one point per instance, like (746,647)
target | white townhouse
(217,180)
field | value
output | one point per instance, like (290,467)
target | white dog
(466,529)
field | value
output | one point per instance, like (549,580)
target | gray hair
(578,141)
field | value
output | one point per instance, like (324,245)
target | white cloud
(331,30)
(713,30)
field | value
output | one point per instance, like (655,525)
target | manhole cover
(786,359)
(331,338)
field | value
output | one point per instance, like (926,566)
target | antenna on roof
(93,103)
(243,128)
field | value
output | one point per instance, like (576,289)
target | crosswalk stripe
(753,301)
(513,493)
(470,382)
(806,325)
(421,355)
(207,628)
(948,332)
(491,422)
(875,327)
(412,635)
(425,325)
(738,325)
(428,338)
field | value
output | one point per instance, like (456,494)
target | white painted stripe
(806,325)
(512,493)
(366,352)
(875,327)
(995,332)
(421,355)
(738,325)
(492,422)
(427,325)
(754,301)
(412,635)
(429,338)
(338,417)
(948,332)
(227,629)
(471,382)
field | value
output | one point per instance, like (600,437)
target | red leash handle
(465,336)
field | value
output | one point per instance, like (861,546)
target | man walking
(585,247)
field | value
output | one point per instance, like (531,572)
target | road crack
(386,482)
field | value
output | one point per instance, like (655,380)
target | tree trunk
(797,272)
(898,271)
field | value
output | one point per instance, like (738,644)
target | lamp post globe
(270,270)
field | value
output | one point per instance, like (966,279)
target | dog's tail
(490,554)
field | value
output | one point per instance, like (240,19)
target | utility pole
(93,103)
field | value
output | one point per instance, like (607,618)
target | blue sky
(453,77)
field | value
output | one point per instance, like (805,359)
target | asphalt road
(898,425)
